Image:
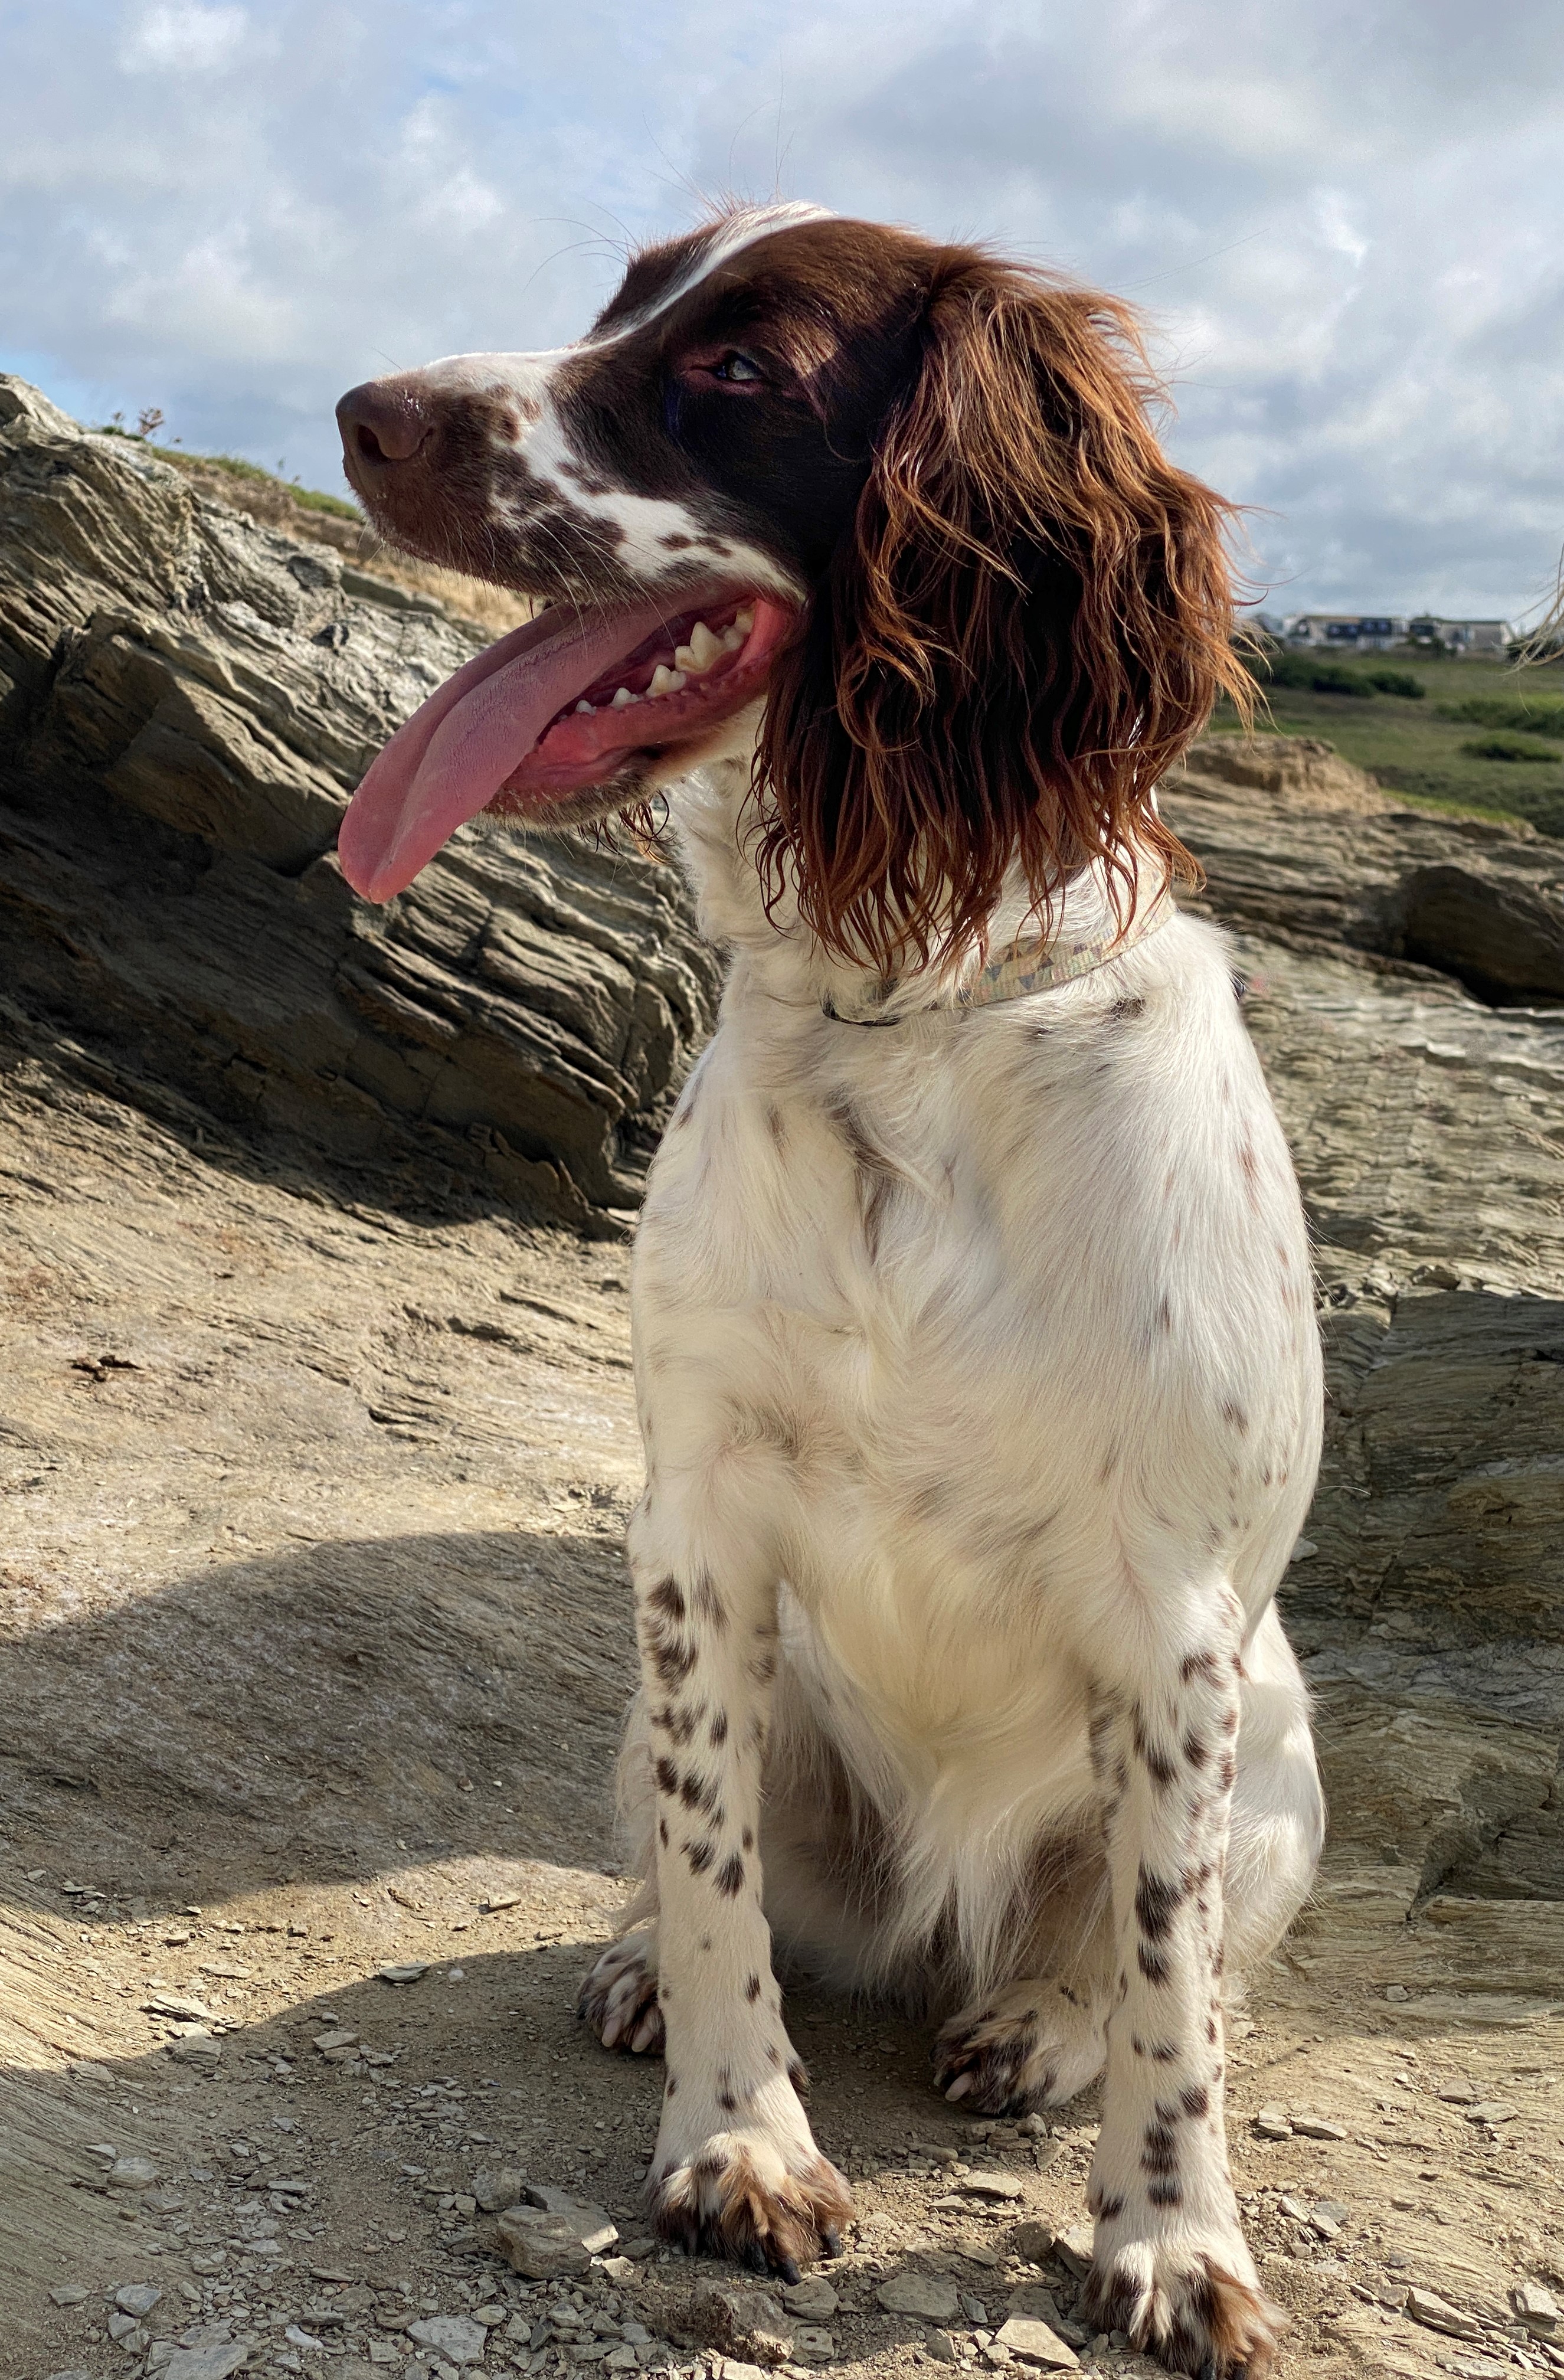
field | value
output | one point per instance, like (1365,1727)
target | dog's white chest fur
(967,1313)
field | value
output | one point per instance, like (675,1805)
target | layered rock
(188,699)
(1428,1591)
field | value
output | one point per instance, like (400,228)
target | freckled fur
(1007,1280)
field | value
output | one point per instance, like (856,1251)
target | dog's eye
(738,370)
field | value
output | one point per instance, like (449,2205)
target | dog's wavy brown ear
(1028,621)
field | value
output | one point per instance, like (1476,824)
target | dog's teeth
(732,638)
(684,660)
(744,621)
(623,699)
(589,707)
(665,680)
(703,645)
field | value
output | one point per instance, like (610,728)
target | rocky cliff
(187,700)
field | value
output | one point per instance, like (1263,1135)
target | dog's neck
(775,955)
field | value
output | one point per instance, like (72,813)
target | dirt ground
(315,1641)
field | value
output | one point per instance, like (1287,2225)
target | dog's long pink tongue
(450,759)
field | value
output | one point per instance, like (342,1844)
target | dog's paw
(1187,2306)
(740,2196)
(619,1996)
(1033,2044)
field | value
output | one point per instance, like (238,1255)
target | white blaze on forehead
(738,232)
(645,523)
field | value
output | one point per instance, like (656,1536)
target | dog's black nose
(383,422)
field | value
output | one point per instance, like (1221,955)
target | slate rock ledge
(187,702)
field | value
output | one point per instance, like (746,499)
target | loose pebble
(1034,2342)
(1319,2128)
(813,2298)
(990,2185)
(1434,2314)
(928,2295)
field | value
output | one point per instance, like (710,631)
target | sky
(1345,222)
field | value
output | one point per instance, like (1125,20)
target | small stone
(127,2331)
(1327,2217)
(177,2004)
(1318,2128)
(207,2263)
(68,2293)
(196,2048)
(138,2298)
(1397,1992)
(813,2298)
(1458,2095)
(1073,2249)
(732,2316)
(492,2317)
(331,2044)
(497,2189)
(131,2173)
(941,2346)
(1271,2124)
(1032,2128)
(928,2295)
(544,2247)
(639,2250)
(618,2268)
(296,2336)
(1031,2341)
(990,2185)
(1434,2314)
(211,2361)
(594,2226)
(498,1900)
(1492,2111)
(1032,2299)
(1034,2240)
(813,2345)
(454,2335)
(400,1971)
(1538,2308)
(1293,2207)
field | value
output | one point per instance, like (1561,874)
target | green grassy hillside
(1482,737)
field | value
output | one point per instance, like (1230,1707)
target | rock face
(187,702)
(1428,1595)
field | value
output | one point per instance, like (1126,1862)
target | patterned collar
(1022,968)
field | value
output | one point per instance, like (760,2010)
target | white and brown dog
(975,1351)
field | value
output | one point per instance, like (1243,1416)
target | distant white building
(1373,632)
(1376,632)
(1463,636)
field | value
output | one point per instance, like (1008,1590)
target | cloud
(1347,224)
(184,40)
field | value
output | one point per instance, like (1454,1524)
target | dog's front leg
(735,2168)
(1171,2264)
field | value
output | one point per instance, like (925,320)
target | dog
(975,1355)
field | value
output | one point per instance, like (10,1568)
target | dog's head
(891,513)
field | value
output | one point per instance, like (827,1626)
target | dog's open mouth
(565,703)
